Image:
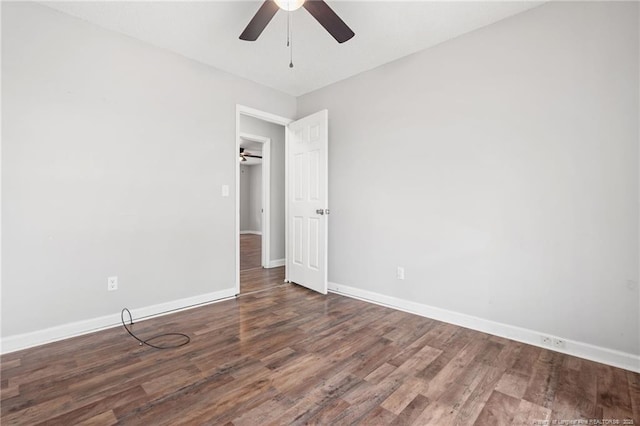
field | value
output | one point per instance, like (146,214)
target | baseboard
(276,263)
(579,349)
(251,232)
(65,331)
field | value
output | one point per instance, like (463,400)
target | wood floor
(291,356)
(250,251)
(252,276)
(260,279)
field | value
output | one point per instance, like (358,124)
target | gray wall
(245,202)
(255,197)
(501,170)
(251,198)
(114,155)
(275,132)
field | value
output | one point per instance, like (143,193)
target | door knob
(320,211)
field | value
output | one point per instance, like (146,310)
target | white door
(308,201)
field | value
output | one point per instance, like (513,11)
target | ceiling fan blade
(259,21)
(329,20)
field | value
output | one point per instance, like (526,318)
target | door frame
(271,118)
(265,183)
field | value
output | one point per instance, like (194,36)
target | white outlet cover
(112,283)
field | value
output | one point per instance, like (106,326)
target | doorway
(261,196)
(255,197)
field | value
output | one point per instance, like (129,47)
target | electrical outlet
(553,342)
(400,273)
(112,283)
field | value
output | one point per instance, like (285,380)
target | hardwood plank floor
(250,251)
(259,279)
(291,356)
(252,276)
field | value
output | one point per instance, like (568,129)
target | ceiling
(208,31)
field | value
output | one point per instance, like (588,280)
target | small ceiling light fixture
(289,5)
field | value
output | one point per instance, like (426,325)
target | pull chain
(290,39)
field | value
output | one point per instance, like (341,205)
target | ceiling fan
(317,8)
(244,154)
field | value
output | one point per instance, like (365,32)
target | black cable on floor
(146,342)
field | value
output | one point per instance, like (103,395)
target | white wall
(515,149)
(255,197)
(251,198)
(114,156)
(501,170)
(245,203)
(275,132)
